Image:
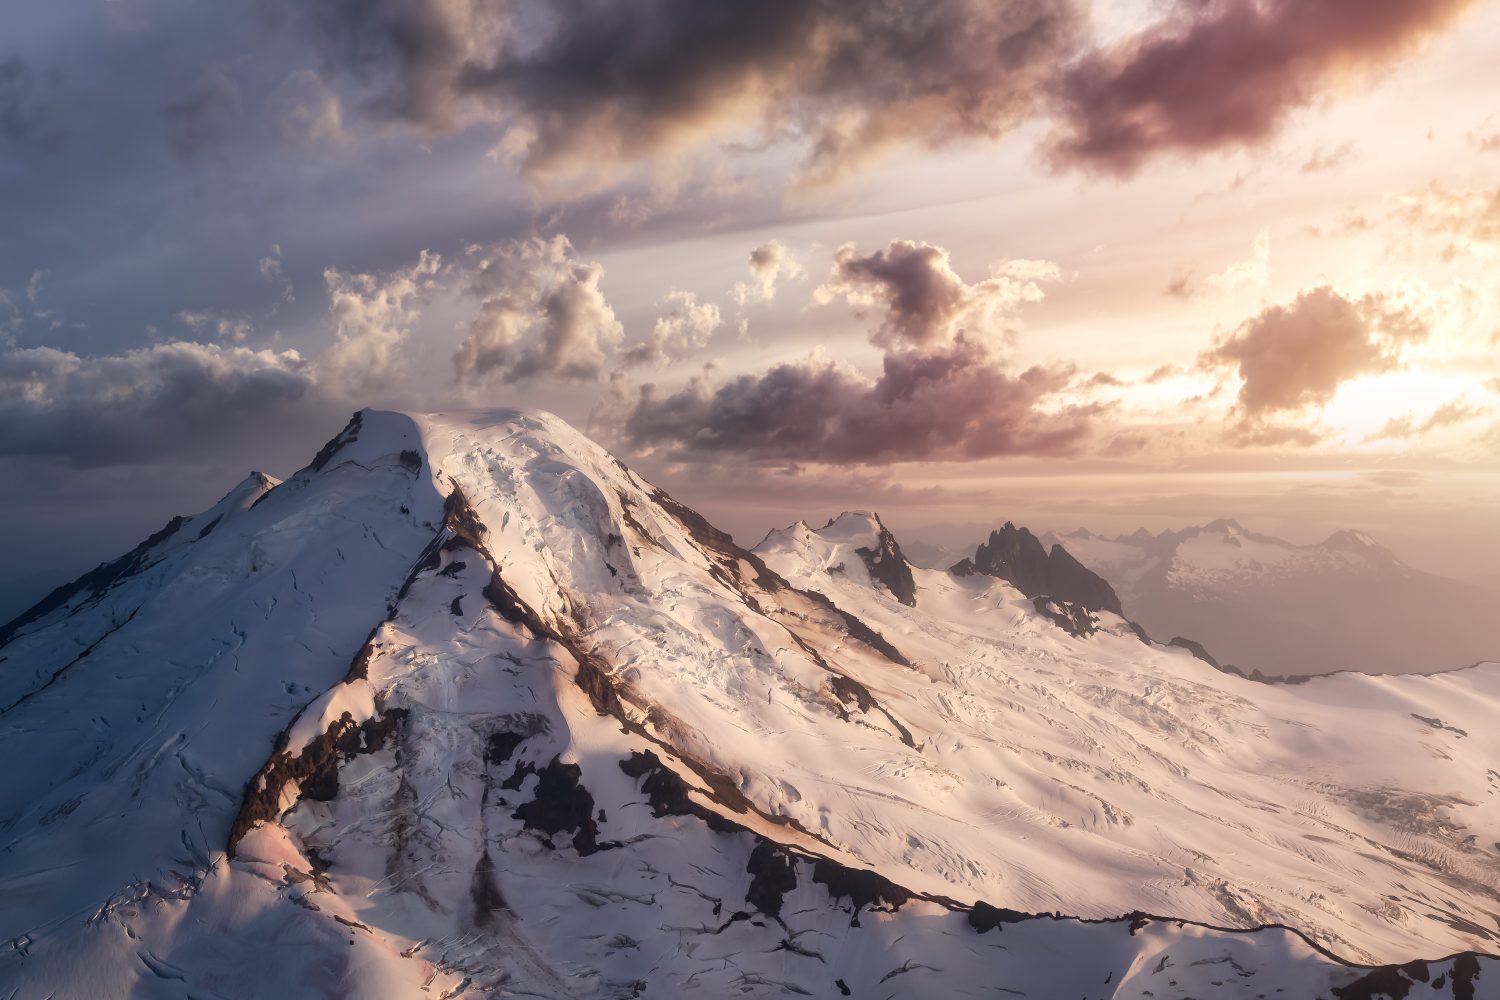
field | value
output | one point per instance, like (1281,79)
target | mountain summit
(467,708)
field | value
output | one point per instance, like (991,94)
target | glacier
(468,708)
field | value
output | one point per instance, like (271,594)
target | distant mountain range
(1264,604)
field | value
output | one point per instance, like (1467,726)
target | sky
(1114,265)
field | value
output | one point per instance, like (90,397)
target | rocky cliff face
(1017,556)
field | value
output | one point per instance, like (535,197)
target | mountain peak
(1018,556)
(467,706)
(1353,540)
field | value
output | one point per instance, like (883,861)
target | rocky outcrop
(1016,555)
(888,566)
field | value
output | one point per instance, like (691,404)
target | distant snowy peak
(856,544)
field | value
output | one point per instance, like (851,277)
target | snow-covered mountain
(1263,604)
(467,708)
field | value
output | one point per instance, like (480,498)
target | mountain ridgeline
(467,708)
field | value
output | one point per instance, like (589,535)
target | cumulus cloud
(117,408)
(1220,73)
(770,263)
(924,302)
(942,392)
(541,312)
(372,315)
(683,331)
(1295,356)
(611,81)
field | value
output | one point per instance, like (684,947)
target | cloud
(1465,216)
(1449,414)
(304,111)
(683,331)
(1295,356)
(271,271)
(604,82)
(1253,274)
(1222,73)
(924,301)
(207,117)
(954,404)
(1322,161)
(372,315)
(144,402)
(769,264)
(227,329)
(26,117)
(942,392)
(541,312)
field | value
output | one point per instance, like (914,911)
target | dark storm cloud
(588,82)
(952,405)
(1220,73)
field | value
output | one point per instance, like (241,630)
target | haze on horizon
(1111,265)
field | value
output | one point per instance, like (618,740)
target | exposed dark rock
(888,566)
(457,608)
(1071,618)
(411,460)
(984,917)
(668,794)
(501,745)
(315,768)
(210,526)
(1395,982)
(850,690)
(1196,649)
(454,568)
(774,874)
(863,887)
(1016,555)
(348,434)
(562,804)
(484,891)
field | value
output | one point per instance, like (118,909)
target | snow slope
(1264,604)
(466,708)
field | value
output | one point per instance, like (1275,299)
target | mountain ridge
(542,621)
